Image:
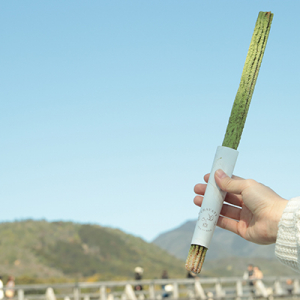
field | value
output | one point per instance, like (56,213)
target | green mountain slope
(66,250)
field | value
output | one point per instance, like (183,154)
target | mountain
(41,251)
(223,244)
(228,254)
(44,252)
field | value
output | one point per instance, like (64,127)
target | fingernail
(219,173)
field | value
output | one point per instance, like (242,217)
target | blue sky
(111,111)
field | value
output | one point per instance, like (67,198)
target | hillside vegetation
(37,251)
(40,251)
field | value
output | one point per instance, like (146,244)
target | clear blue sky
(111,111)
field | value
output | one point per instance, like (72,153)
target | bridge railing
(199,288)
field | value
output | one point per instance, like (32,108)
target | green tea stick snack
(226,154)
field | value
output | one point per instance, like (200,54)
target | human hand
(256,212)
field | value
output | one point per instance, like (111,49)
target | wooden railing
(199,288)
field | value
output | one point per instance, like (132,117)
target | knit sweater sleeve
(287,247)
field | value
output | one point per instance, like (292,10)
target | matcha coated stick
(239,110)
(249,76)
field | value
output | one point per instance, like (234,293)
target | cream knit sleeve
(287,247)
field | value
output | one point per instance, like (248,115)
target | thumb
(228,184)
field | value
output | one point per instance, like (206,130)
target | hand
(256,212)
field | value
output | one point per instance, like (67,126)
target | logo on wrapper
(207,219)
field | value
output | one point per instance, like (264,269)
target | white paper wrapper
(225,159)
